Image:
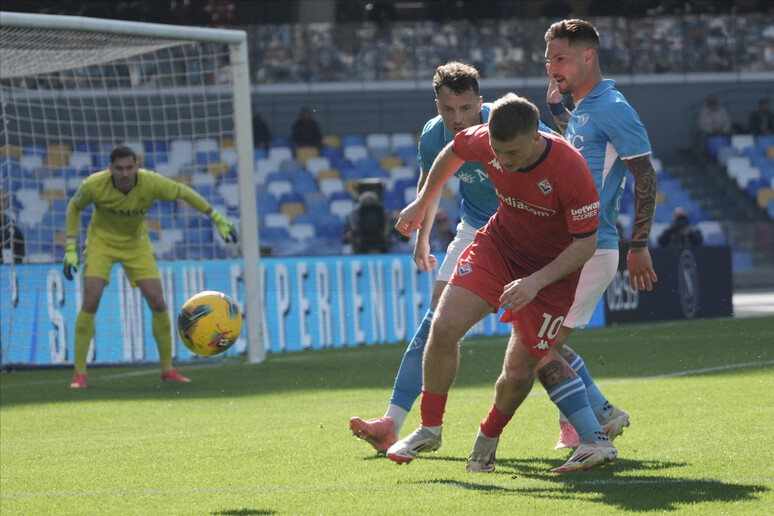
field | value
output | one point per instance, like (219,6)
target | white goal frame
(242,116)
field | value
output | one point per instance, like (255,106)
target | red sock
(494,423)
(431,407)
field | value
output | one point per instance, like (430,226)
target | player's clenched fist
(70,261)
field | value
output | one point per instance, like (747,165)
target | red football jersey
(541,207)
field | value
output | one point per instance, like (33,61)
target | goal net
(71,89)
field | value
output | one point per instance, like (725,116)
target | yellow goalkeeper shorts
(137,260)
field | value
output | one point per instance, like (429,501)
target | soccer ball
(209,323)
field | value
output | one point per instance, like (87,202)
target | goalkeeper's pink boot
(378,432)
(174,376)
(79,381)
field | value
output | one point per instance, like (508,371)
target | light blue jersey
(479,201)
(606,129)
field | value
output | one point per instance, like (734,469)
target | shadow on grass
(627,485)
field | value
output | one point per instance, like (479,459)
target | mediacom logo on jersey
(585,212)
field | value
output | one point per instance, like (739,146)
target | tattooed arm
(641,273)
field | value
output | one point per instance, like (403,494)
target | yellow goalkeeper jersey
(119,218)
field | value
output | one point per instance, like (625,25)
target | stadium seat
(206,145)
(260,153)
(331,140)
(229,192)
(219,169)
(273,220)
(764,196)
(281,141)
(266,203)
(301,231)
(137,146)
(724,153)
(279,154)
(155,147)
(316,209)
(274,234)
(181,147)
(58,155)
(201,178)
(279,187)
(408,155)
(203,158)
(763,142)
(355,152)
(398,140)
(389,162)
(329,186)
(349,174)
(742,141)
(342,208)
(11,151)
(80,160)
(377,141)
(303,181)
(352,139)
(755,184)
(332,153)
(291,165)
(330,173)
(37,149)
(316,164)
(398,173)
(303,154)
(714,143)
(30,161)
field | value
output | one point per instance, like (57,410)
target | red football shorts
(484,270)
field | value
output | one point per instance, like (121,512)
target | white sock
(398,415)
(436,430)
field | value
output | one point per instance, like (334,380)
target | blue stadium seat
(348,174)
(332,153)
(101,161)
(276,176)
(259,153)
(88,147)
(291,197)
(303,182)
(716,142)
(266,203)
(763,142)
(352,139)
(317,209)
(340,195)
(203,158)
(754,184)
(367,164)
(281,141)
(155,147)
(274,234)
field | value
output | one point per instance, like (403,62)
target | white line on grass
(435,485)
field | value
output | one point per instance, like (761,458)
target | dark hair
(122,151)
(576,31)
(456,76)
(512,115)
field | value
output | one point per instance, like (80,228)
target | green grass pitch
(273,438)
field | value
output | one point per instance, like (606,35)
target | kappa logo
(496,164)
(583,119)
(545,187)
(543,344)
(464,268)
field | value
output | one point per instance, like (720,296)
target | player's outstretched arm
(638,261)
(226,228)
(422,257)
(444,167)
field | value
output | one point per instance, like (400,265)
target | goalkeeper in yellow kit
(117,233)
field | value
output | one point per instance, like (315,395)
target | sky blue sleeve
(623,128)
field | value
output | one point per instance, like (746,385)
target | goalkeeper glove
(226,228)
(70,261)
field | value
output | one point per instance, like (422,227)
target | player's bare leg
(512,387)
(458,310)
(382,432)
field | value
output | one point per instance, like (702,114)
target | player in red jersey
(527,261)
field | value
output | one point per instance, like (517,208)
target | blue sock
(408,383)
(597,400)
(570,397)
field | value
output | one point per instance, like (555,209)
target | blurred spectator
(306,132)
(680,233)
(713,121)
(442,233)
(761,120)
(366,226)
(11,239)
(261,133)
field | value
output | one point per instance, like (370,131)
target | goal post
(71,88)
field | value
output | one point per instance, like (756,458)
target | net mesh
(68,97)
